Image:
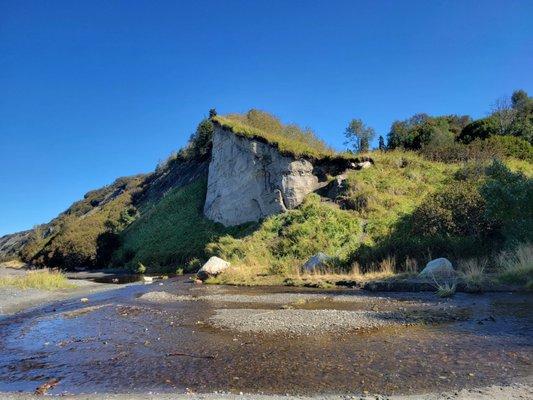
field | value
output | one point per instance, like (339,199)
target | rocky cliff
(250,179)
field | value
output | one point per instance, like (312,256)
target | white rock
(147,279)
(212,267)
(84,299)
(364,165)
(317,261)
(249,180)
(438,267)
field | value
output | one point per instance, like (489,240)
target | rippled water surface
(119,343)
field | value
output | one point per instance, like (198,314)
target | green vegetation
(359,136)
(283,242)
(171,234)
(446,289)
(85,234)
(444,186)
(516,265)
(289,139)
(44,280)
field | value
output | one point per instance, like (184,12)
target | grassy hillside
(393,217)
(172,234)
(406,208)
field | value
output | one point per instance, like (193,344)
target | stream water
(118,343)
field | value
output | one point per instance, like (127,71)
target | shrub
(458,210)
(509,202)
(516,266)
(480,129)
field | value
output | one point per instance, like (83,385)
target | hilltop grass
(44,280)
(288,139)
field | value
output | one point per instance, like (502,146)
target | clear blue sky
(93,90)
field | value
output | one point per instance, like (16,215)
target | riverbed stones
(293,321)
(440,267)
(212,267)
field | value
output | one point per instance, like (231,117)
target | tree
(381,145)
(519,99)
(504,113)
(212,113)
(358,135)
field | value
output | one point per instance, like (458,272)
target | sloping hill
(400,209)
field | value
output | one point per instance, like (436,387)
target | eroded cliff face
(249,180)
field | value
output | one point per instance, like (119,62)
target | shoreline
(520,389)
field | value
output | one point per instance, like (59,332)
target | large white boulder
(316,262)
(440,267)
(212,267)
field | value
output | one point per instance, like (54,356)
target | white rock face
(212,267)
(438,267)
(317,261)
(249,180)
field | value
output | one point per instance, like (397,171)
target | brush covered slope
(409,206)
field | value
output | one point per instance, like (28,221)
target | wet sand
(123,341)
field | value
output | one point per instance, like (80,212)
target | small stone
(84,299)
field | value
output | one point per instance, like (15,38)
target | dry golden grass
(13,264)
(44,280)
(473,273)
(517,266)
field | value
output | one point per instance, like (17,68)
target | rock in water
(318,261)
(440,267)
(212,267)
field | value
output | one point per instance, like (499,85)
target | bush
(458,210)
(480,129)
(509,202)
(507,146)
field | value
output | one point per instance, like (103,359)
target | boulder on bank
(316,262)
(363,165)
(212,267)
(440,267)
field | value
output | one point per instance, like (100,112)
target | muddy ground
(173,337)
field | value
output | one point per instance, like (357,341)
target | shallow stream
(119,342)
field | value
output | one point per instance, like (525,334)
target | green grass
(44,280)
(282,243)
(289,139)
(171,234)
(516,266)
(393,188)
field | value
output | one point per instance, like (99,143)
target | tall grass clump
(516,266)
(44,280)
(473,273)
